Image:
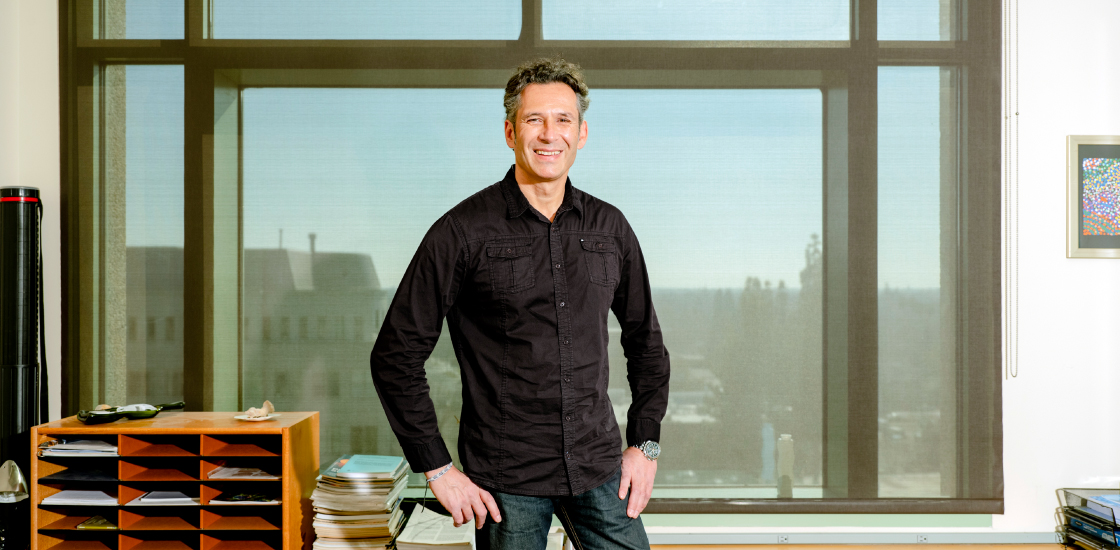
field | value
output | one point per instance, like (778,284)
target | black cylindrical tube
(19,316)
(19,336)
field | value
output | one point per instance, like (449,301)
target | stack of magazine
(357,502)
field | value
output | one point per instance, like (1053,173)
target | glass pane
(916,19)
(144,255)
(319,274)
(729,211)
(727,205)
(917,281)
(367,20)
(142,19)
(696,20)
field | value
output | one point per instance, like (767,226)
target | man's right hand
(460,496)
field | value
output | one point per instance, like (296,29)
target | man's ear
(511,133)
(582,135)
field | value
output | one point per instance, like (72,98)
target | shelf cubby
(83,475)
(131,492)
(78,540)
(158,518)
(152,469)
(231,540)
(109,438)
(66,523)
(214,489)
(53,464)
(45,490)
(66,518)
(242,518)
(233,445)
(159,445)
(270,465)
(160,540)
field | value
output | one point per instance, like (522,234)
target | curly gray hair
(545,71)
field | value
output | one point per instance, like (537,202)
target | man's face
(546,133)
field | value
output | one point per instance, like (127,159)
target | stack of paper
(357,502)
(80,447)
(225,472)
(427,529)
(233,498)
(81,498)
(165,498)
(1105,506)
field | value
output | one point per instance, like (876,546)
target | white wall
(1060,414)
(9,77)
(29,142)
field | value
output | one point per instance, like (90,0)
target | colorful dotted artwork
(1100,197)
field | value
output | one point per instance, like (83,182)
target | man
(525,272)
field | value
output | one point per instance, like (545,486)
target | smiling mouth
(546,153)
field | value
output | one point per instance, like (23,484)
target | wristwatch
(650,448)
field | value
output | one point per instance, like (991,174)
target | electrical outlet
(923,538)
(783,539)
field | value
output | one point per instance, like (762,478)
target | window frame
(846,72)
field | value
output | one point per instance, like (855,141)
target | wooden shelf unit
(175,451)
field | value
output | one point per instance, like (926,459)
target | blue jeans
(595,520)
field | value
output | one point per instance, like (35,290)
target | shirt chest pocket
(511,267)
(601,260)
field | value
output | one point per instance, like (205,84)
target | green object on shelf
(131,412)
(96,523)
(98,417)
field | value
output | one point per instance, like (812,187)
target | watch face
(651,449)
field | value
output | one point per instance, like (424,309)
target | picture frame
(1093,196)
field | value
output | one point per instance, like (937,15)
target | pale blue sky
(718,184)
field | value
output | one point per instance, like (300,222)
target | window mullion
(863,304)
(532,22)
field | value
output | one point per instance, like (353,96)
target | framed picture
(1093,197)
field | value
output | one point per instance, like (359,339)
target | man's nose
(548,132)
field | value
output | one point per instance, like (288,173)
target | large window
(247,181)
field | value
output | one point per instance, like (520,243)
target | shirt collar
(517,204)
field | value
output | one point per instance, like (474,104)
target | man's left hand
(637,479)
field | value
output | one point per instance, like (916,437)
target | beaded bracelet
(441,472)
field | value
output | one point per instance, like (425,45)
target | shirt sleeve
(406,339)
(647,360)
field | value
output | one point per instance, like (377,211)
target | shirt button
(567,341)
(562,304)
(509,251)
(568,418)
(554,228)
(557,266)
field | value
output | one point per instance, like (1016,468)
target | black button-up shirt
(526,302)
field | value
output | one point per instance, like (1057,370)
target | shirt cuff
(640,430)
(427,457)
